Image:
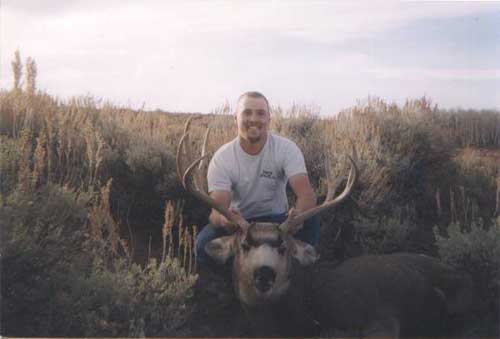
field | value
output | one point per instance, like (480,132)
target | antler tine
(201,179)
(333,184)
(181,155)
(187,174)
(204,146)
(184,151)
(332,187)
(188,124)
(294,222)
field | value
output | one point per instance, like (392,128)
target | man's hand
(228,225)
(223,198)
(292,213)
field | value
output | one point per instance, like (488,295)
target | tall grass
(83,143)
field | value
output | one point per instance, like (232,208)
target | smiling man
(249,176)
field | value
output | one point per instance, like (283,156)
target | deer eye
(245,246)
(282,248)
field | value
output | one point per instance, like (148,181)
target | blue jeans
(309,233)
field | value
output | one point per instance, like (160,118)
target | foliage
(41,239)
(383,235)
(477,176)
(57,280)
(9,167)
(130,300)
(475,249)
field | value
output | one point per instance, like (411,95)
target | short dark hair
(254,94)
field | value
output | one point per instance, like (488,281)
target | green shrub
(475,249)
(387,234)
(130,300)
(42,237)
(58,281)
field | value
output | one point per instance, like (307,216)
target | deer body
(389,295)
(397,295)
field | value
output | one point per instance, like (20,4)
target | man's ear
(221,249)
(304,253)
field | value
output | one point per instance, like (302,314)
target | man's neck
(252,148)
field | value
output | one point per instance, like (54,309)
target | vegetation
(97,232)
(67,272)
(475,248)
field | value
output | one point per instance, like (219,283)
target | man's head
(252,117)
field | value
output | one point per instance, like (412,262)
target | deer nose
(264,278)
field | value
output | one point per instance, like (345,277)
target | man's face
(252,118)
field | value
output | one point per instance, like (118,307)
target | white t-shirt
(257,182)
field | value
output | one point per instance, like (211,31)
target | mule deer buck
(284,292)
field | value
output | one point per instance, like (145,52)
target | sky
(194,56)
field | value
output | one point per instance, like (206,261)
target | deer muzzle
(264,277)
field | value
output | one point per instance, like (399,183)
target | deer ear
(221,249)
(304,253)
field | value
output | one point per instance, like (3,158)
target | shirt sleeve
(217,176)
(293,162)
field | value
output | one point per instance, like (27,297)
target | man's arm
(215,218)
(306,198)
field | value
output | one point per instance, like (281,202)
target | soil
(217,311)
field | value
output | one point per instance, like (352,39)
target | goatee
(254,140)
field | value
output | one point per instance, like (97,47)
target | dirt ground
(217,311)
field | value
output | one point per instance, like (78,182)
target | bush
(59,281)
(475,249)
(383,235)
(42,237)
(476,171)
(128,300)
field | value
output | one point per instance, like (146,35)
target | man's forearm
(305,202)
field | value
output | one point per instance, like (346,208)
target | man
(249,175)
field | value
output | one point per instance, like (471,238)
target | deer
(285,291)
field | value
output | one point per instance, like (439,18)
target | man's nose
(253,117)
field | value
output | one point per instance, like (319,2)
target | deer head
(263,253)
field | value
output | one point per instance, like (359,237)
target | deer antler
(196,184)
(294,221)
